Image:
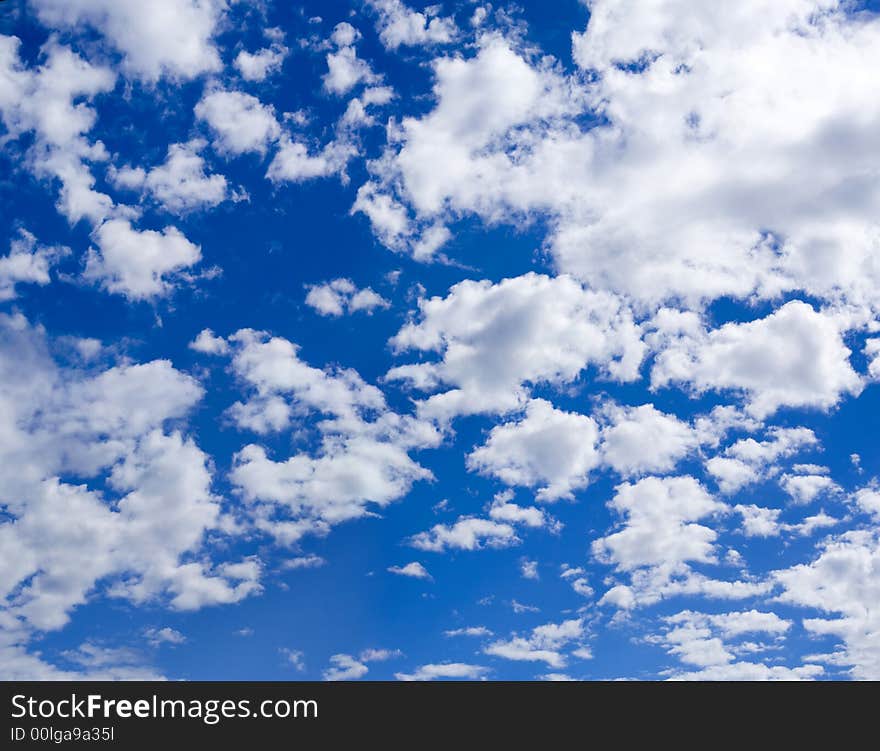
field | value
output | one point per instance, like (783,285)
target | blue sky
(371,340)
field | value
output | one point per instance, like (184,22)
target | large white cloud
(843,584)
(661,524)
(139,264)
(547,448)
(640,440)
(163,37)
(747,460)
(345,69)
(240,122)
(27,262)
(180,184)
(53,100)
(399,25)
(362,458)
(64,538)
(544,644)
(712,644)
(794,357)
(495,339)
(727,159)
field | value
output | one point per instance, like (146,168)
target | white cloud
(180,184)
(806,488)
(842,582)
(577,578)
(164,37)
(207,342)
(468,631)
(711,644)
(164,635)
(53,101)
(468,533)
(139,264)
(444,670)
(341,296)
(345,69)
(758,521)
(794,357)
(476,533)
(399,25)
(502,510)
(345,668)
(750,671)
(294,163)
(868,498)
(63,541)
(748,461)
(240,122)
(294,657)
(449,157)
(304,561)
(496,338)
(546,448)
(27,262)
(642,440)
(18,665)
(362,458)
(811,523)
(661,524)
(272,369)
(379,655)
(872,352)
(257,66)
(542,645)
(414,569)
(529,569)
(702,179)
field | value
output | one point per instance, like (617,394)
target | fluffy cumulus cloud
(139,264)
(256,66)
(747,460)
(345,668)
(142,529)
(544,644)
(166,37)
(717,647)
(594,331)
(180,184)
(341,296)
(794,357)
(345,69)
(414,570)
(673,197)
(661,526)
(842,585)
(548,448)
(399,25)
(27,262)
(642,439)
(495,340)
(363,454)
(239,122)
(52,101)
(468,533)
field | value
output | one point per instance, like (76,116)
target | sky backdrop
(376,340)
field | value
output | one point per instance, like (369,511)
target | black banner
(262,715)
